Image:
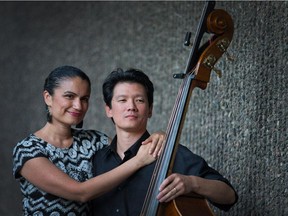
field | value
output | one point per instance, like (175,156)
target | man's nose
(132,105)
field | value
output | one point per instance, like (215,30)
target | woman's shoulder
(26,149)
(88,133)
(30,140)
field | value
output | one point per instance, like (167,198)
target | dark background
(239,123)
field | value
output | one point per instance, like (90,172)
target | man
(129,101)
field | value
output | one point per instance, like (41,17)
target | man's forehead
(129,88)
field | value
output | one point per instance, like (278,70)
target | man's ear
(47,98)
(108,111)
(150,111)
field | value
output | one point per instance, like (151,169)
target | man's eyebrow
(69,92)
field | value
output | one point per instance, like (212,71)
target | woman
(54,164)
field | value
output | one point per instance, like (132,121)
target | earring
(48,115)
(80,124)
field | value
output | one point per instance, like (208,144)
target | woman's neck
(60,137)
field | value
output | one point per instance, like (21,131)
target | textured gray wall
(239,123)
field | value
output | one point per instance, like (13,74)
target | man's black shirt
(127,199)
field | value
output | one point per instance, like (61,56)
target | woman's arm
(46,176)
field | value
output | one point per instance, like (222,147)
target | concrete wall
(239,123)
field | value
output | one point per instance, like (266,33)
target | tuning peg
(229,56)
(217,71)
(209,62)
(187,39)
(223,45)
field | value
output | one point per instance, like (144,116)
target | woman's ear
(47,98)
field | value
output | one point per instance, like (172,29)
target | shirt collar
(132,151)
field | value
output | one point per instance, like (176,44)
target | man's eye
(140,100)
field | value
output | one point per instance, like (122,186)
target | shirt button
(117,210)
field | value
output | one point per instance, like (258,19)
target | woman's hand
(156,140)
(144,157)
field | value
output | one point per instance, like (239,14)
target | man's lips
(130,116)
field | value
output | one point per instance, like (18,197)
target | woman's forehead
(74,84)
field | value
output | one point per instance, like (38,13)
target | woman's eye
(69,96)
(85,99)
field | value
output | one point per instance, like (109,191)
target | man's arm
(214,190)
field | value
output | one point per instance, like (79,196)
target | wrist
(195,184)
(136,163)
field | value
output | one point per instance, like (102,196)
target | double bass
(201,62)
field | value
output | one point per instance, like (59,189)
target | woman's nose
(77,104)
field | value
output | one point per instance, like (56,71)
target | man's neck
(125,140)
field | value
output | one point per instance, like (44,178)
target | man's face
(129,107)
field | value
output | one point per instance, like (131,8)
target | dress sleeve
(25,150)
(98,139)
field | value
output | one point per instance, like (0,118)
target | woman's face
(69,103)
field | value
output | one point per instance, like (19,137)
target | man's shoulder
(184,149)
(185,152)
(102,153)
